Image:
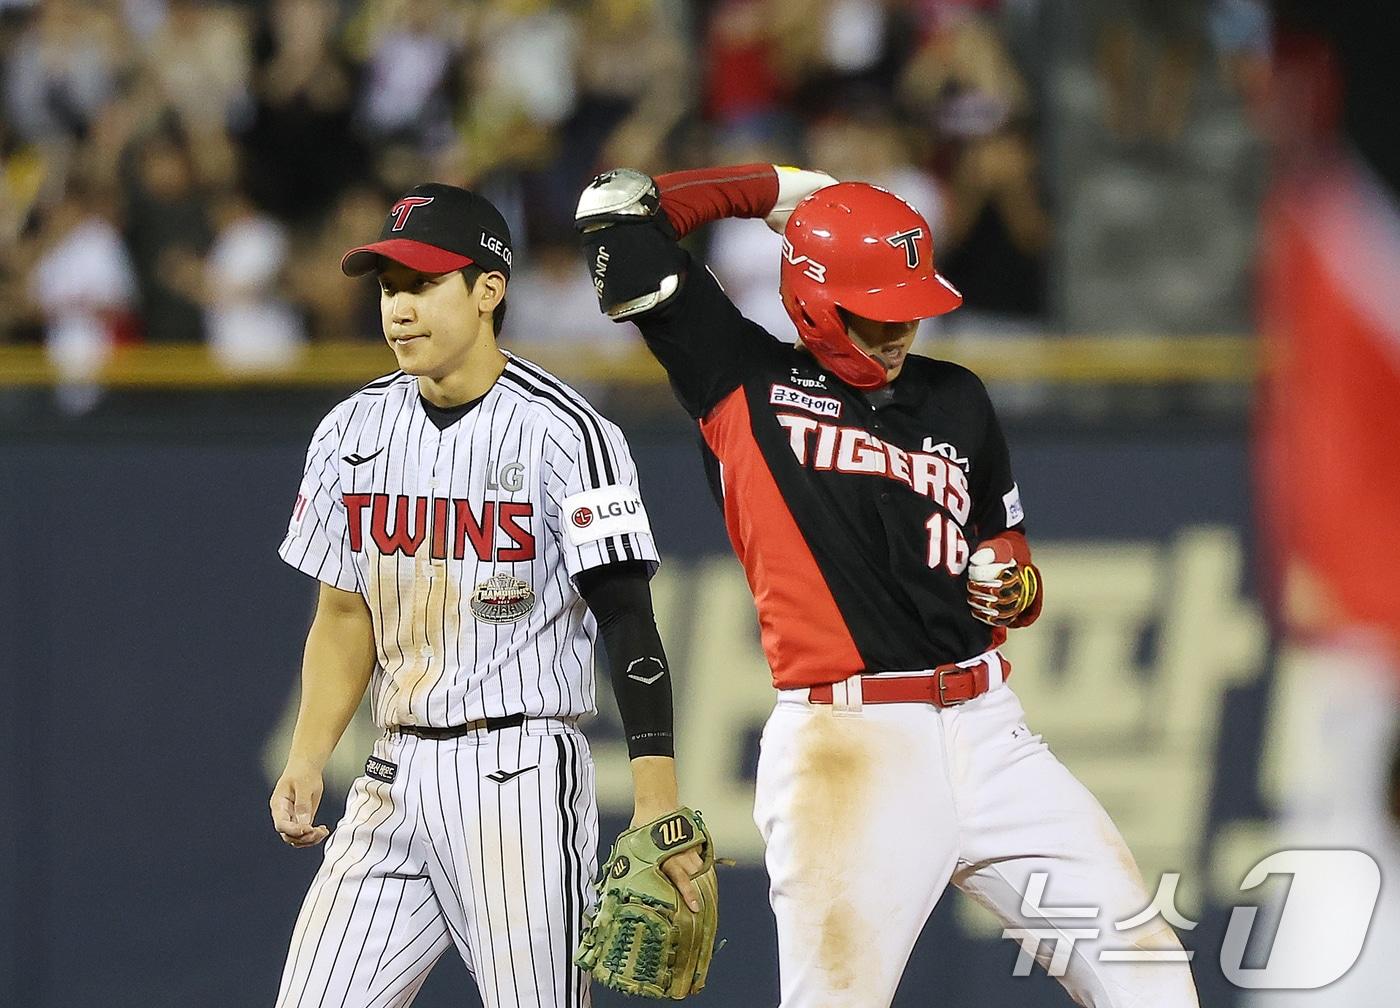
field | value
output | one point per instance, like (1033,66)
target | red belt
(945,686)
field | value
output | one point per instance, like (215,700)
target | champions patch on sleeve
(1015,514)
(606,511)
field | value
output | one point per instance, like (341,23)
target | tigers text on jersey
(463,531)
(854,514)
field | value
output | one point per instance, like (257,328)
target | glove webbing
(649,945)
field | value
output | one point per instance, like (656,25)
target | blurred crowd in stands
(187,170)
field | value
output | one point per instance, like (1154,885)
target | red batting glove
(1002,591)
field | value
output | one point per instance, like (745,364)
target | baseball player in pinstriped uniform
(473,524)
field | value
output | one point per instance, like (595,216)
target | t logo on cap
(404,207)
(457,228)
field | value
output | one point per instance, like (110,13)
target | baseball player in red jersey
(868,494)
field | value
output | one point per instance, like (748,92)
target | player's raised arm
(334,673)
(631,223)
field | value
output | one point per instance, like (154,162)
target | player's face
(887,342)
(432,320)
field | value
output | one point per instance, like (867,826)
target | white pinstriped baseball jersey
(463,542)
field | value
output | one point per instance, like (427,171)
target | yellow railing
(1120,360)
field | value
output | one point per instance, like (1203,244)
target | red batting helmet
(858,247)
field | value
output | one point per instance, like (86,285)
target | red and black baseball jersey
(854,513)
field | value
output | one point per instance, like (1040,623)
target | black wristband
(619,596)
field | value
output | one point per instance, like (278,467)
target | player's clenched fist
(293,802)
(999,588)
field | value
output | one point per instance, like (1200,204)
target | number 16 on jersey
(946,546)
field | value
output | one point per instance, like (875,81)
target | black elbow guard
(635,267)
(628,243)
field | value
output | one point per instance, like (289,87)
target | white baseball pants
(868,811)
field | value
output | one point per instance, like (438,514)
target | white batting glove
(794,186)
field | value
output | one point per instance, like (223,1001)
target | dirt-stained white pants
(869,811)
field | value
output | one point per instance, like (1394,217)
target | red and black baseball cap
(437,228)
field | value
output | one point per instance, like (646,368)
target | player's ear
(491,288)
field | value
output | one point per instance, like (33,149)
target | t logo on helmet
(907,239)
(404,207)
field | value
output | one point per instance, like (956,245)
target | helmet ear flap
(821,326)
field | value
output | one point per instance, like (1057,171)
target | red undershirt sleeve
(701,195)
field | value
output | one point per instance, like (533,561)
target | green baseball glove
(643,939)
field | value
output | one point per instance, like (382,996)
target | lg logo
(585,516)
(511,478)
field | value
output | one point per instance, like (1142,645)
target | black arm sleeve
(619,596)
